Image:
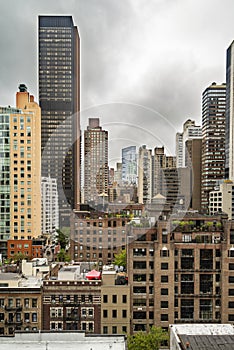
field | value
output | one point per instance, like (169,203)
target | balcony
(180,320)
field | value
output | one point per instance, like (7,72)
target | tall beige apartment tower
(95,163)
(144,174)
(20,142)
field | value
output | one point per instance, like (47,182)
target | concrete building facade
(144,174)
(20,305)
(97,238)
(72,305)
(115,317)
(21,168)
(191,131)
(193,162)
(180,271)
(49,206)
(222,199)
(95,163)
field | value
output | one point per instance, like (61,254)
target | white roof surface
(62,340)
(204,329)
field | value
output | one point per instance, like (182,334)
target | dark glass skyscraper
(59,99)
(213,140)
(229,152)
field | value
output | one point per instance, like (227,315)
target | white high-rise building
(190,131)
(49,205)
(221,199)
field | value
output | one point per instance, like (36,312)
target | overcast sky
(144,63)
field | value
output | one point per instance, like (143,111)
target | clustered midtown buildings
(173,214)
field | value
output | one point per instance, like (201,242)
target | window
(114,313)
(164,253)
(139,290)
(230,292)
(26,317)
(34,317)
(105,330)
(124,299)
(124,313)
(26,302)
(164,304)
(164,291)
(164,266)
(114,299)
(186,238)
(105,313)
(91,326)
(90,312)
(187,308)
(139,264)
(231,237)
(114,330)
(206,309)
(56,312)
(164,279)
(164,317)
(105,298)
(124,329)
(231,304)
(83,312)
(231,266)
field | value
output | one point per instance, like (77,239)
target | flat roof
(68,340)
(207,342)
(204,336)
(4,276)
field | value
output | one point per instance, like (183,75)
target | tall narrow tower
(213,140)
(95,162)
(129,165)
(59,99)
(190,132)
(20,214)
(144,174)
(229,142)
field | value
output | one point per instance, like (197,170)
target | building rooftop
(202,337)
(61,340)
(207,342)
(6,276)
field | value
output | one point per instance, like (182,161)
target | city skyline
(167,58)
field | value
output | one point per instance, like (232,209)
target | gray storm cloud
(157,54)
